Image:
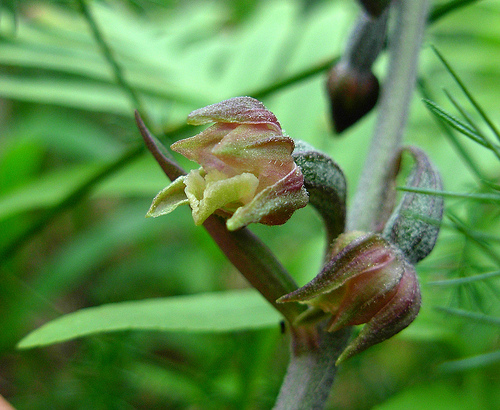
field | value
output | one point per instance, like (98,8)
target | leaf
(469,95)
(458,125)
(209,312)
(481,197)
(466,279)
(474,316)
(471,363)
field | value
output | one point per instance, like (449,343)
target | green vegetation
(166,319)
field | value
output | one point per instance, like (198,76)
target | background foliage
(75,184)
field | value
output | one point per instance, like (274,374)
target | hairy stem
(311,372)
(393,113)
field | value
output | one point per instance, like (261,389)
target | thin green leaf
(474,316)
(478,130)
(110,57)
(441,10)
(471,98)
(453,139)
(471,363)
(477,197)
(468,279)
(208,312)
(78,193)
(456,124)
(469,233)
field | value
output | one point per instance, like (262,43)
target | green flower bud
(366,281)
(247,171)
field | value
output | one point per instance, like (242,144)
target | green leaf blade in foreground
(207,312)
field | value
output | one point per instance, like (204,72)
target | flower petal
(241,110)
(169,198)
(208,195)
(274,205)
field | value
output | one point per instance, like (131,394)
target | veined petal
(241,110)
(218,194)
(199,148)
(274,205)
(169,198)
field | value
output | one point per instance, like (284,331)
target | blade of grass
(477,197)
(456,124)
(471,363)
(468,279)
(79,192)
(484,245)
(472,123)
(109,56)
(441,10)
(474,316)
(470,97)
(448,132)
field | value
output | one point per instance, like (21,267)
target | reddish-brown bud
(375,7)
(367,280)
(353,93)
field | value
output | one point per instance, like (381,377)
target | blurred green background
(75,184)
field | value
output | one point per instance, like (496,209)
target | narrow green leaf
(447,194)
(471,122)
(441,10)
(471,98)
(208,312)
(458,125)
(474,316)
(448,132)
(470,363)
(467,279)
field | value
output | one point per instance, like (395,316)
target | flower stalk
(394,104)
(305,369)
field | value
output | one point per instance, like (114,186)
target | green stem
(394,106)
(312,370)
(310,375)
(109,56)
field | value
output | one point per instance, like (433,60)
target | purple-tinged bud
(367,280)
(353,93)
(247,171)
(375,7)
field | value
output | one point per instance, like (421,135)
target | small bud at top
(367,280)
(248,173)
(375,7)
(352,94)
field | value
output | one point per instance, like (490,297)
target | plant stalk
(405,43)
(311,372)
